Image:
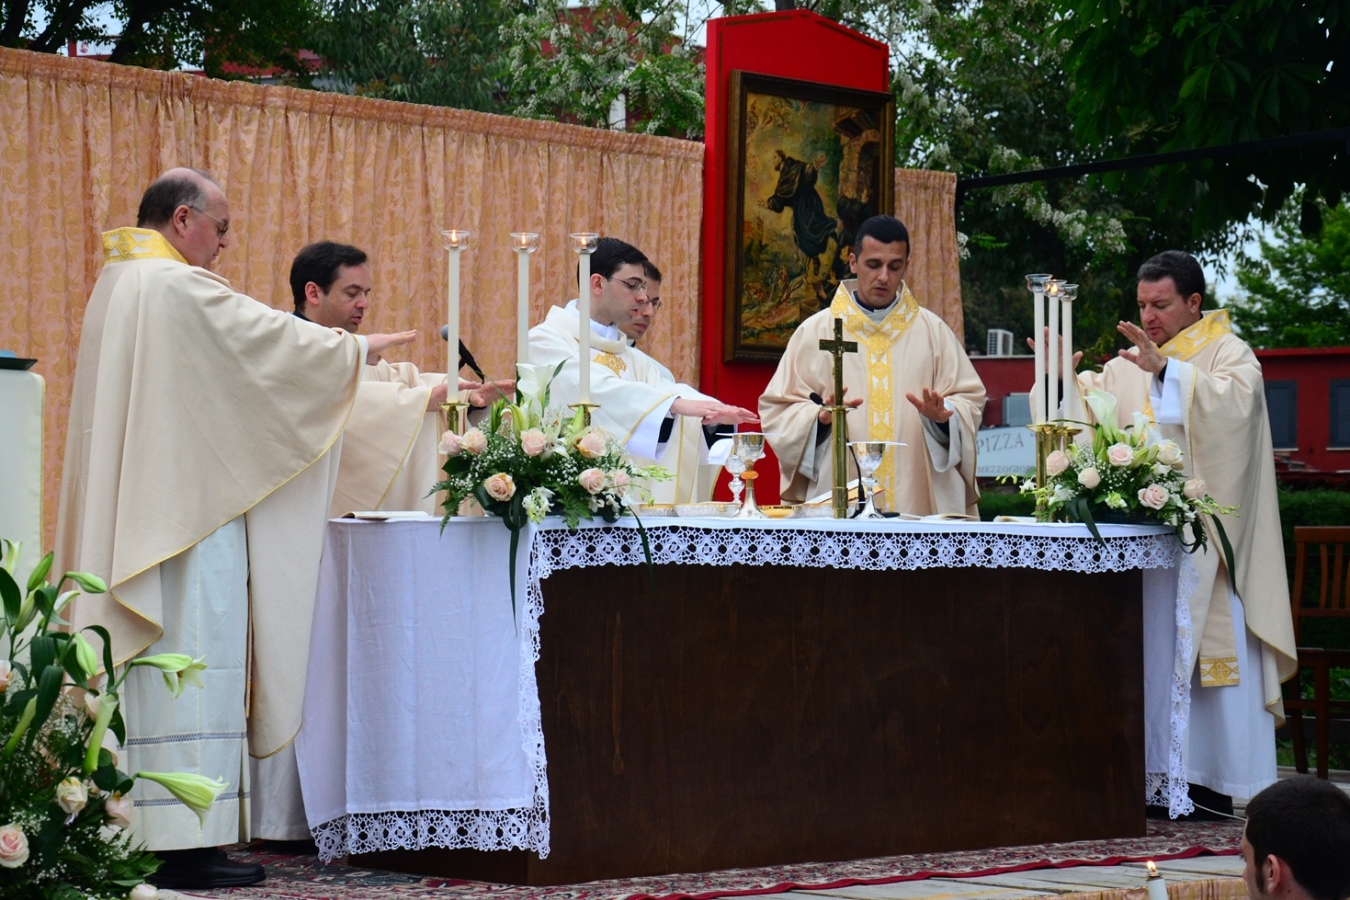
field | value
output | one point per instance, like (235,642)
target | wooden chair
(1325,553)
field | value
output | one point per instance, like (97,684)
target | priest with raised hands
(635,404)
(390,458)
(201,448)
(1201,385)
(910,381)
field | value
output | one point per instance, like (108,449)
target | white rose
(593,480)
(6,674)
(119,808)
(473,441)
(1089,478)
(143,891)
(500,486)
(1154,496)
(450,444)
(1169,454)
(592,446)
(71,795)
(533,442)
(1194,489)
(13,846)
(1119,454)
(1056,463)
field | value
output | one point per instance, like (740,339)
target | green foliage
(438,52)
(1163,75)
(167,34)
(1298,293)
(571,65)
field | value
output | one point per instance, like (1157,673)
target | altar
(795,690)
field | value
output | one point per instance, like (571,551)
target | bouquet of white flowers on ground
(63,802)
(529,460)
(1127,473)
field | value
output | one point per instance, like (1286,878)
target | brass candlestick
(1046,440)
(585,412)
(455,418)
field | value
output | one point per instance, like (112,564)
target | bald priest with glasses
(658,419)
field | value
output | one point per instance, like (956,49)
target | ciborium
(870,455)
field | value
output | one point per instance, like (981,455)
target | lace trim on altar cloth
(422,829)
(558,549)
(1169,788)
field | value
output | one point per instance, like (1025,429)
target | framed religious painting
(806,165)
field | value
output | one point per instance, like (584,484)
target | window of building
(1340,412)
(1282,407)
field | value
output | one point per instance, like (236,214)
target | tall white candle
(1037,285)
(452,321)
(584,311)
(1051,362)
(1066,360)
(522,307)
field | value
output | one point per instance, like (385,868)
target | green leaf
(13,599)
(1084,510)
(1227,550)
(49,688)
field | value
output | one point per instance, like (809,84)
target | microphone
(465,357)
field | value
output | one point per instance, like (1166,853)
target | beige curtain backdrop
(926,203)
(80,140)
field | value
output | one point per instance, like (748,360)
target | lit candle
(584,244)
(1051,362)
(1037,285)
(524,243)
(455,240)
(1155,883)
(1067,294)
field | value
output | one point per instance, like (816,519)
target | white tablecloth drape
(422,724)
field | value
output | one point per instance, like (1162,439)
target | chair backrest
(1327,550)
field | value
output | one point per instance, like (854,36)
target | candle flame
(1152,870)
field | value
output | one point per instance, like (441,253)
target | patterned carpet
(305,878)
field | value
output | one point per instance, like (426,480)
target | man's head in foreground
(879,259)
(645,310)
(1171,289)
(189,208)
(1297,842)
(331,285)
(618,282)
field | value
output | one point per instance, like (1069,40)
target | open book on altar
(940,517)
(382,515)
(852,494)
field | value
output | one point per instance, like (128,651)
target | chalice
(869,455)
(748,448)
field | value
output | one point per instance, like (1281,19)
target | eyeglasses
(654,303)
(634,285)
(221,226)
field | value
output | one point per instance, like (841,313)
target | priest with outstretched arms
(1201,385)
(635,405)
(202,442)
(390,458)
(910,381)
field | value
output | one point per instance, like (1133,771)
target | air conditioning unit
(999,343)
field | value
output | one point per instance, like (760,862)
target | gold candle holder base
(1046,441)
(585,411)
(455,418)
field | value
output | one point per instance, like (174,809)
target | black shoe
(203,868)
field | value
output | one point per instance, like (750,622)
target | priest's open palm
(1144,353)
(712,412)
(930,405)
(825,416)
(381,342)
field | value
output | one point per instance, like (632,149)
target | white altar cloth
(422,725)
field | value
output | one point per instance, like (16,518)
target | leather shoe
(203,868)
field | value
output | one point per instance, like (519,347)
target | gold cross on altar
(837,348)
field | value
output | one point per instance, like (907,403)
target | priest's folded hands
(825,416)
(712,412)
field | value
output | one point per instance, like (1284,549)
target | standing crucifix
(837,348)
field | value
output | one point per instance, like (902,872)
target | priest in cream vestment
(638,403)
(910,381)
(1202,386)
(390,456)
(200,452)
